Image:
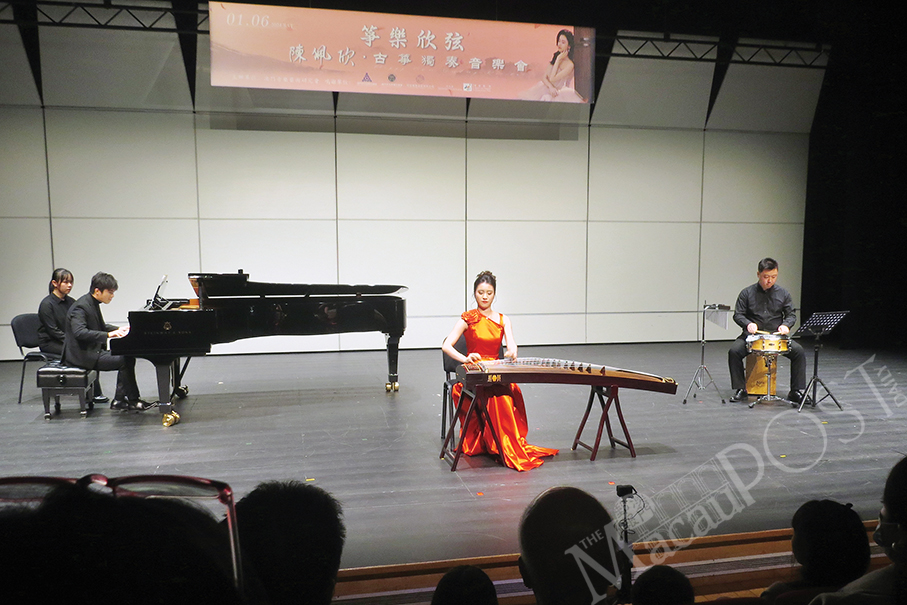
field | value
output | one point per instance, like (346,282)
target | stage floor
(701,468)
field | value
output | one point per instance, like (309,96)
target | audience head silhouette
(892,531)
(292,534)
(465,585)
(662,585)
(830,543)
(563,529)
(79,546)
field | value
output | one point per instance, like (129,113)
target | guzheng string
(539,362)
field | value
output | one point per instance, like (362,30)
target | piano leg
(166,372)
(179,389)
(393,352)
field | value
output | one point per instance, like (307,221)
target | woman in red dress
(484,330)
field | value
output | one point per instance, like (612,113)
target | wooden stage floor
(701,468)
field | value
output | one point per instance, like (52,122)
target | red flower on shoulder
(471,317)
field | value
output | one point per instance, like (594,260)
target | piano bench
(55,380)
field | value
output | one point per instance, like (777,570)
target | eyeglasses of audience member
(32,491)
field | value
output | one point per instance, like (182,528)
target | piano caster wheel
(182,392)
(170,419)
(392,386)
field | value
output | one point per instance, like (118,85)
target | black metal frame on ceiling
(192,18)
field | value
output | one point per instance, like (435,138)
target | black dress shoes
(100,400)
(136,405)
(795,397)
(141,405)
(740,395)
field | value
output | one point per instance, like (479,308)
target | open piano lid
(212,285)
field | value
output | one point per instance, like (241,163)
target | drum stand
(817,325)
(702,370)
(769,357)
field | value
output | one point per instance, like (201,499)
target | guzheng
(605,382)
(559,371)
(230,308)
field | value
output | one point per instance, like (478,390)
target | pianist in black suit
(86,342)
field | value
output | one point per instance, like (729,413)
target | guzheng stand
(613,399)
(702,370)
(817,325)
(478,412)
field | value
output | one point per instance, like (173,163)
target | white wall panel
(15,74)
(25,272)
(135,251)
(635,267)
(23,170)
(400,177)
(755,178)
(288,251)
(255,175)
(121,164)
(645,175)
(366,341)
(428,332)
(8,348)
(641,327)
(534,180)
(113,68)
(401,106)
(654,93)
(594,235)
(553,329)
(540,266)
(530,112)
(425,256)
(765,98)
(730,254)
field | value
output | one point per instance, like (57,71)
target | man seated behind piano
(765,307)
(85,343)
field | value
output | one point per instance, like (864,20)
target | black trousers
(127,388)
(738,352)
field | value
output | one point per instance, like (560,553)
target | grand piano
(230,308)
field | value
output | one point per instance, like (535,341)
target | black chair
(448,413)
(25,331)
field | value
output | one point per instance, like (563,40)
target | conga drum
(757,375)
(762,347)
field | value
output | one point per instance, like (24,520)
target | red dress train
(505,404)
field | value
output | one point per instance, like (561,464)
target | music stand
(817,325)
(702,369)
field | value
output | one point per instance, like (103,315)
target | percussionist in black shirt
(765,307)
